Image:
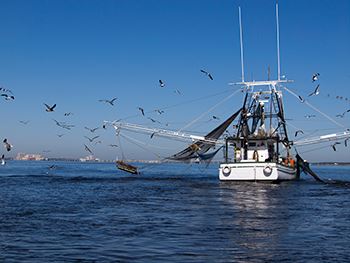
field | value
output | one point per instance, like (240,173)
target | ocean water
(91,212)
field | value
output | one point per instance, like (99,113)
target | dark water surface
(171,213)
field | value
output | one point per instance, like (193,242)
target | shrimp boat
(258,149)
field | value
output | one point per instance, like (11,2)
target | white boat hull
(256,171)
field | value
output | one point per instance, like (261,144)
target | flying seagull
(50,108)
(60,135)
(161,83)
(91,139)
(315,77)
(207,73)
(316,91)
(52,167)
(111,102)
(58,123)
(177,92)
(298,131)
(346,142)
(343,114)
(301,98)
(24,122)
(153,120)
(7,97)
(333,146)
(142,111)
(91,130)
(68,113)
(309,116)
(63,125)
(113,145)
(5,90)
(87,149)
(7,145)
(159,111)
(216,118)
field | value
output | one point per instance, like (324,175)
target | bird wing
(87,149)
(88,138)
(317,88)
(313,93)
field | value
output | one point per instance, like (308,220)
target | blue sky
(74,53)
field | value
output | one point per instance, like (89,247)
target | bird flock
(316,92)
(176,91)
(7,95)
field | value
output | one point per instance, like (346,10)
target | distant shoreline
(332,164)
(157,161)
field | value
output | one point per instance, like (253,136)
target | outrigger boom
(163,133)
(324,138)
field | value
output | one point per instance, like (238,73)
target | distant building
(29,157)
(89,158)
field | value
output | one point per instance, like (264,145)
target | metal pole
(241,41)
(278,44)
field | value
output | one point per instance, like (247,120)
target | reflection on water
(94,212)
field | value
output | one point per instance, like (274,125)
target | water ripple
(95,213)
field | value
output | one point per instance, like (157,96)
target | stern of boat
(253,171)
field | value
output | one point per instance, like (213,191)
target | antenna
(278,45)
(241,41)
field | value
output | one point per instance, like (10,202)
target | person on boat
(271,152)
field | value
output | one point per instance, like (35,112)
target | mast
(241,41)
(278,45)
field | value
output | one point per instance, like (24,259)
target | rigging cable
(211,109)
(138,143)
(120,146)
(315,149)
(180,104)
(314,108)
